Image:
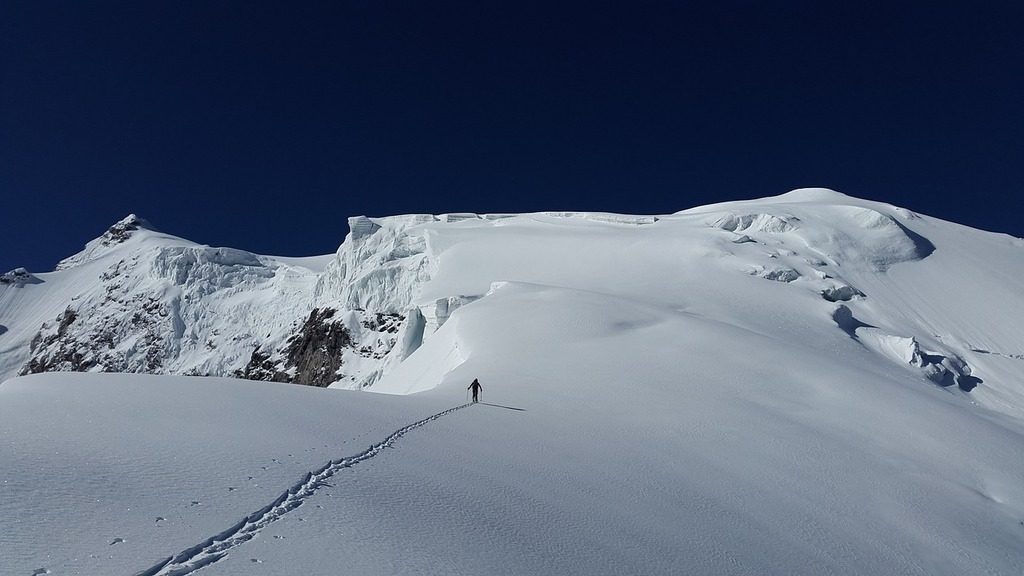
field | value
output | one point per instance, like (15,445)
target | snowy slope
(159,461)
(803,384)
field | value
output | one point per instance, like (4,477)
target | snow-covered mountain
(137,300)
(804,384)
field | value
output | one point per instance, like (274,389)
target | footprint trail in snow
(216,548)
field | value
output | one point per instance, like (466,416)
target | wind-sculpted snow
(381,265)
(943,369)
(871,237)
(839,292)
(757,223)
(842,234)
(211,268)
(606,217)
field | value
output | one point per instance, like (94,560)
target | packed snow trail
(216,548)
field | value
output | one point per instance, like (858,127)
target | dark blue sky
(264,127)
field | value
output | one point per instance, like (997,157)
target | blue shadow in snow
(505,407)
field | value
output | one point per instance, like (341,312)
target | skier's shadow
(500,406)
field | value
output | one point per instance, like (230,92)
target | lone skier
(476,388)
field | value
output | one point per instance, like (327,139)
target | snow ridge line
(216,547)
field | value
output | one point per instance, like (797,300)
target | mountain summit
(803,384)
(118,233)
(137,300)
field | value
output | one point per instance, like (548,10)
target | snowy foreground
(805,384)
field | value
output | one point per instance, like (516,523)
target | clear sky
(263,126)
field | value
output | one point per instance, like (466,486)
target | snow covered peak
(120,232)
(132,222)
(824,225)
(124,228)
(814,195)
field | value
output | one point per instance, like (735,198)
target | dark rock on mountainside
(312,357)
(315,352)
(62,357)
(122,230)
(387,322)
(261,367)
(19,277)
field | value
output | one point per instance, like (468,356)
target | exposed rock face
(19,277)
(261,367)
(71,344)
(61,356)
(122,230)
(325,349)
(315,353)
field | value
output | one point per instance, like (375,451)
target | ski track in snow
(216,548)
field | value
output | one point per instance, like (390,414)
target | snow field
(160,462)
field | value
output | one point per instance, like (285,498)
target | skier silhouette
(475,387)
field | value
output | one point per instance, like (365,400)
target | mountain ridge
(822,385)
(145,301)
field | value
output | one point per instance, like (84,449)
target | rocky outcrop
(314,355)
(19,277)
(122,230)
(108,343)
(60,356)
(328,348)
